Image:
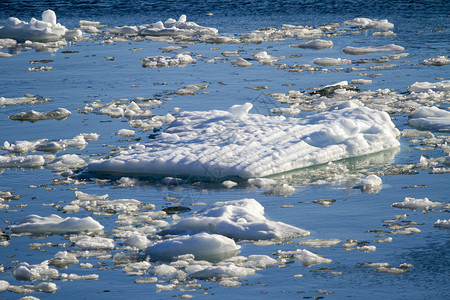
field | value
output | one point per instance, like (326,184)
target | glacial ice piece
(431,118)
(219,144)
(54,224)
(204,246)
(46,30)
(239,219)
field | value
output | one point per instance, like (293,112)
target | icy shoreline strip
(221,144)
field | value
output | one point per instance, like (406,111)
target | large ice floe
(232,143)
(238,219)
(45,30)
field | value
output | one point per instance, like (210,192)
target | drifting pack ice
(235,143)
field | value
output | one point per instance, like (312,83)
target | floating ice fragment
(54,224)
(220,143)
(431,118)
(413,203)
(165,61)
(238,219)
(365,23)
(419,87)
(3,285)
(137,241)
(204,246)
(372,49)
(62,259)
(125,132)
(320,243)
(326,61)
(241,62)
(371,184)
(46,30)
(27,272)
(28,161)
(264,58)
(222,271)
(93,243)
(442,224)
(308,258)
(437,61)
(314,44)
(66,161)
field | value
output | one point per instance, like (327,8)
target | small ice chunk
(262,182)
(229,184)
(204,246)
(62,259)
(28,161)
(371,184)
(137,241)
(238,219)
(372,49)
(27,272)
(93,243)
(320,243)
(314,44)
(442,224)
(309,259)
(3,285)
(424,87)
(55,224)
(265,58)
(165,61)
(222,271)
(365,23)
(327,61)
(125,132)
(241,62)
(431,118)
(413,203)
(437,61)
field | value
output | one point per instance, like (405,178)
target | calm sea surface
(82,75)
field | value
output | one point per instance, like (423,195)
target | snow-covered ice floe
(365,23)
(413,203)
(55,224)
(238,219)
(230,143)
(204,246)
(45,30)
(431,118)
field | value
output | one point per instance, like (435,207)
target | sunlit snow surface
(220,143)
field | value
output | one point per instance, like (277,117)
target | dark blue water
(423,28)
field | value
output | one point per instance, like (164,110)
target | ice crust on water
(55,224)
(431,118)
(238,219)
(204,246)
(45,30)
(236,143)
